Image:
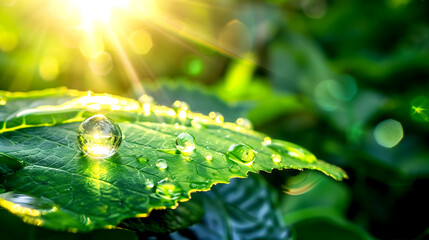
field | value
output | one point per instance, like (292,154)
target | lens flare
(92,11)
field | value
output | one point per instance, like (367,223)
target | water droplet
(99,136)
(197,181)
(149,183)
(199,124)
(244,123)
(168,190)
(28,205)
(292,150)
(185,143)
(276,158)
(208,156)
(180,106)
(161,164)
(234,168)
(241,153)
(145,99)
(217,117)
(181,109)
(137,201)
(267,140)
(3,100)
(142,159)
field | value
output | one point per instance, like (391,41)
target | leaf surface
(56,186)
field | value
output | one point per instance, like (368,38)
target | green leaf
(60,188)
(244,209)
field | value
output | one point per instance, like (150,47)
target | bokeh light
(388,133)
(141,42)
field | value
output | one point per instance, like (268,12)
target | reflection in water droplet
(276,158)
(241,153)
(3,100)
(168,190)
(149,183)
(244,122)
(217,117)
(302,182)
(292,150)
(25,204)
(234,168)
(185,143)
(161,164)
(99,136)
(208,156)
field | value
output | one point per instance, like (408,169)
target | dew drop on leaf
(168,190)
(181,109)
(276,158)
(217,117)
(149,183)
(185,143)
(267,140)
(241,153)
(161,164)
(29,205)
(292,150)
(142,159)
(244,123)
(99,136)
(197,181)
(208,156)
(234,168)
(198,124)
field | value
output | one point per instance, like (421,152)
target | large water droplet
(28,205)
(185,143)
(99,136)
(244,123)
(292,150)
(217,117)
(161,164)
(168,190)
(241,153)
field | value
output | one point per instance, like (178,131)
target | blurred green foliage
(320,73)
